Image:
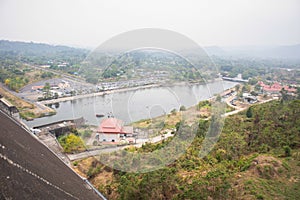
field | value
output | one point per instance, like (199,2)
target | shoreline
(123,90)
(64,99)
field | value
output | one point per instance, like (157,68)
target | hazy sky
(209,22)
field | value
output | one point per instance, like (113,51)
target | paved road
(239,109)
(139,143)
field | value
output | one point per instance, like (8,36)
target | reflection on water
(133,105)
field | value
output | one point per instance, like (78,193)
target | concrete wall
(109,137)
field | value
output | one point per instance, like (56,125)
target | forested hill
(38,52)
(287,52)
(256,157)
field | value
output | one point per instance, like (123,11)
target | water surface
(134,105)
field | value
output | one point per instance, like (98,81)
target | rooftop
(114,125)
(276,87)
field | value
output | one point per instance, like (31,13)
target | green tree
(249,112)
(46,90)
(284,95)
(246,88)
(257,87)
(298,92)
(71,143)
(173,112)
(73,93)
(182,108)
(237,87)
(253,93)
(218,98)
(287,151)
(55,95)
(252,81)
(7,81)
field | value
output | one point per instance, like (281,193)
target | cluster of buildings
(275,88)
(249,98)
(138,77)
(58,128)
(59,64)
(124,84)
(62,85)
(63,88)
(129,83)
(110,131)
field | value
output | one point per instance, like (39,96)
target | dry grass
(170,120)
(19,103)
(82,166)
(27,110)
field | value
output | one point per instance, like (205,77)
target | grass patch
(27,115)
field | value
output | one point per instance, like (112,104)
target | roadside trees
(46,90)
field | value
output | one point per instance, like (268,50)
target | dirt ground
(20,103)
(26,107)
(170,120)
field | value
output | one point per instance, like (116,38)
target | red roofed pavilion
(113,130)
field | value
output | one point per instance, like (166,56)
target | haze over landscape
(89,23)
(152,99)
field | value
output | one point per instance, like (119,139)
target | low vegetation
(257,157)
(71,143)
(27,110)
(16,75)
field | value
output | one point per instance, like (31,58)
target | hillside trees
(273,129)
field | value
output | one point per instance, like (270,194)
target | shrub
(182,108)
(287,151)
(71,143)
(249,112)
(173,112)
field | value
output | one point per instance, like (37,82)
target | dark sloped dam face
(28,170)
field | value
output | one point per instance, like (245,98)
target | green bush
(182,108)
(71,143)
(287,151)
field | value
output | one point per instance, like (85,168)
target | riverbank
(63,99)
(132,104)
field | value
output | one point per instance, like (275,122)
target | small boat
(99,115)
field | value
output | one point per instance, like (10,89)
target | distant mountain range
(288,52)
(29,51)
(34,48)
(291,52)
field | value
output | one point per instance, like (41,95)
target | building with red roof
(37,87)
(275,88)
(113,130)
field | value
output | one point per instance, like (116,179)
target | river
(134,105)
